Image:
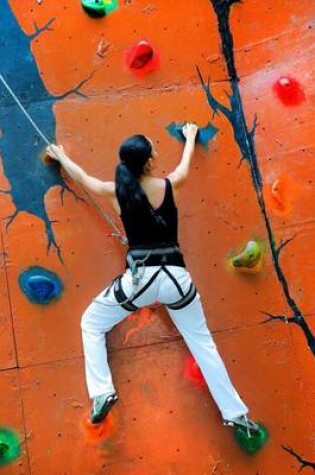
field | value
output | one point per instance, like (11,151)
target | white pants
(103,314)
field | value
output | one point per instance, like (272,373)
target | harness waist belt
(170,255)
(158,251)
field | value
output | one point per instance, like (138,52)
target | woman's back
(155,189)
(159,227)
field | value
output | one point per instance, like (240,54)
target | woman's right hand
(56,152)
(179,175)
(190,131)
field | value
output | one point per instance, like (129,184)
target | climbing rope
(102,213)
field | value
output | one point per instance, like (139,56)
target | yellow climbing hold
(249,257)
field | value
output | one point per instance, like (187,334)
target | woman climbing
(155,272)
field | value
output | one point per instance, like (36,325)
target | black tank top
(148,234)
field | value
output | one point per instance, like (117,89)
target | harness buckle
(134,265)
(135,275)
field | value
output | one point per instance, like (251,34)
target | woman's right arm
(90,183)
(179,175)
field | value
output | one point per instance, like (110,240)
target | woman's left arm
(90,183)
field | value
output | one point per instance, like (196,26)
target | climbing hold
(48,160)
(110,5)
(145,317)
(280,194)
(99,8)
(279,198)
(193,372)
(94,8)
(103,48)
(289,91)
(277,194)
(40,285)
(249,257)
(204,135)
(141,59)
(10,448)
(95,433)
(255,442)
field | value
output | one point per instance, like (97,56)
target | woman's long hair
(134,153)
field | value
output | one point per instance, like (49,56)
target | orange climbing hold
(98,432)
(103,48)
(145,317)
(280,194)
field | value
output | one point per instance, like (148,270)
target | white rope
(6,85)
(92,201)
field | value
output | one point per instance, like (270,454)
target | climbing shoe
(102,404)
(249,435)
(242,422)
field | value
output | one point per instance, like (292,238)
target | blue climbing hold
(40,285)
(204,135)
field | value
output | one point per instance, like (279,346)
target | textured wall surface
(255,182)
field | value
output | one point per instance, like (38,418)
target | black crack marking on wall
(304,463)
(244,137)
(20,145)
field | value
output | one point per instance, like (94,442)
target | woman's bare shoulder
(154,188)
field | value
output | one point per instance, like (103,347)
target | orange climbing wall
(164,424)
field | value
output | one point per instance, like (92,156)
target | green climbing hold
(99,8)
(110,5)
(249,257)
(10,448)
(255,442)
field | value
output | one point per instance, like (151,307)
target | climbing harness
(128,304)
(105,216)
(136,278)
(135,264)
(137,259)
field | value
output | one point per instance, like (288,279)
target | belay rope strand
(104,215)
(135,272)
(136,276)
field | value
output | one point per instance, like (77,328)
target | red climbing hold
(193,372)
(289,91)
(141,58)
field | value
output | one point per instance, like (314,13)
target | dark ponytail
(134,204)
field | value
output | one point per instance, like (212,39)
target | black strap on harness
(185,300)
(122,298)
(137,258)
(178,287)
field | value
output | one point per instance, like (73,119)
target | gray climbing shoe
(102,404)
(244,423)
